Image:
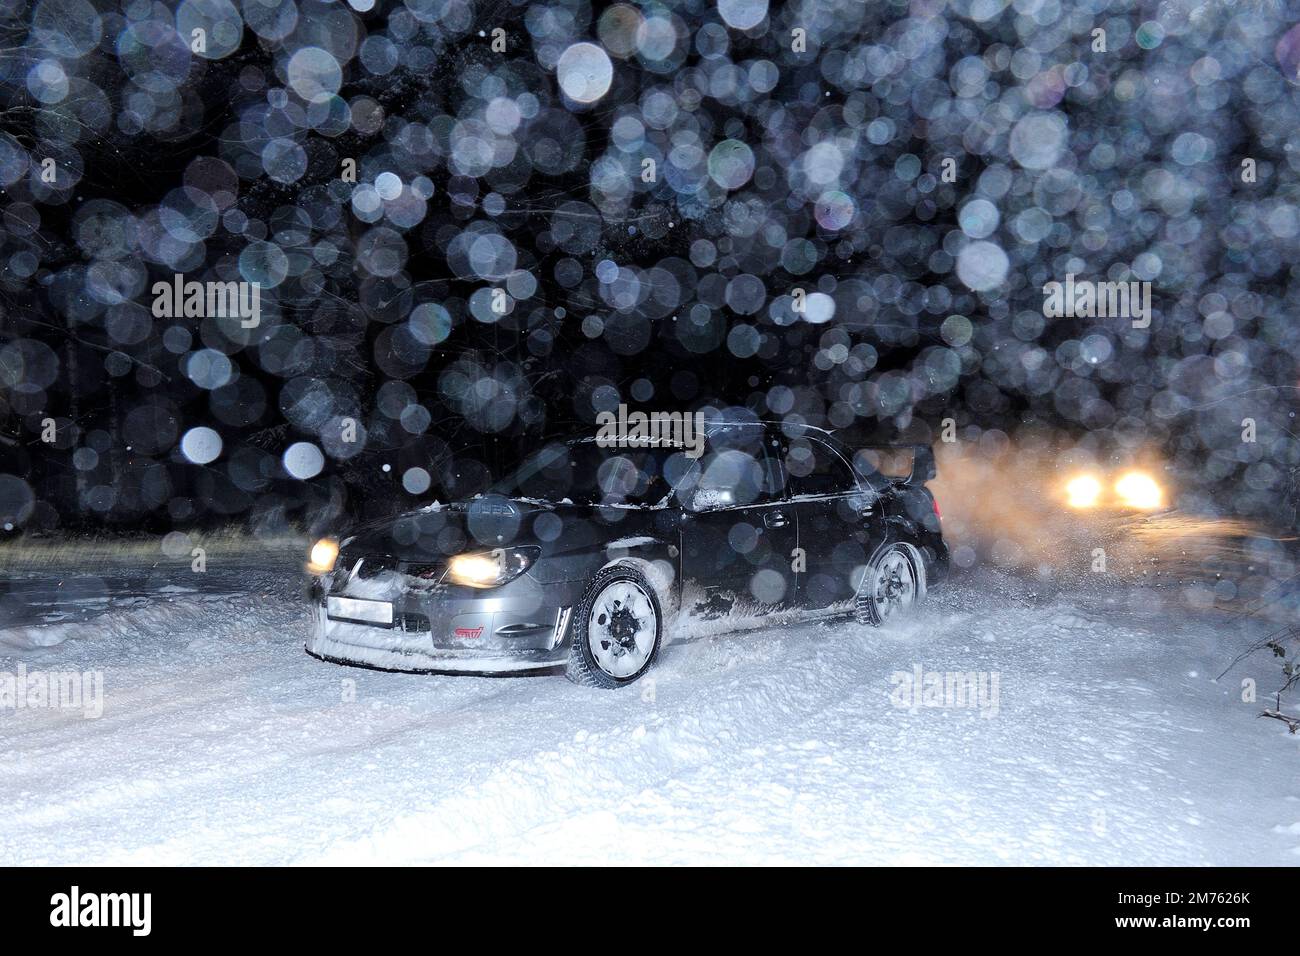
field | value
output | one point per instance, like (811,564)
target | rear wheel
(891,588)
(617,629)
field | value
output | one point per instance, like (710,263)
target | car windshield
(584,473)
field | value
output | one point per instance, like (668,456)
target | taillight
(935,501)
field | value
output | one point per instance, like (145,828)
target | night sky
(653,187)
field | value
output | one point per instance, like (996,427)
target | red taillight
(935,502)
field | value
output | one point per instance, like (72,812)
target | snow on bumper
(510,629)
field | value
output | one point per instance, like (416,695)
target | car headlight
(490,569)
(1138,490)
(323,555)
(1083,492)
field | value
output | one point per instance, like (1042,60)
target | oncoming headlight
(1139,490)
(490,569)
(323,555)
(1083,491)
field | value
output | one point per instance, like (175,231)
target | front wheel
(892,587)
(617,629)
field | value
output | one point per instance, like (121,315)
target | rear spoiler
(905,464)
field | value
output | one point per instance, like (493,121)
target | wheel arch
(584,665)
(660,574)
(913,554)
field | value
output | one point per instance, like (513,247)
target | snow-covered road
(1108,742)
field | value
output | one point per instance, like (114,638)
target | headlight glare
(1138,490)
(490,569)
(1083,491)
(323,555)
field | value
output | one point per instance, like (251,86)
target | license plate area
(357,611)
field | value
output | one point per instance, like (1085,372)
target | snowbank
(221,742)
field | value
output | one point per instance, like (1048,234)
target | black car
(592,557)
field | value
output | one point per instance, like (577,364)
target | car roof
(793,429)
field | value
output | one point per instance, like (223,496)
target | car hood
(495,521)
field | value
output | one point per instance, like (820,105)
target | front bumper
(520,626)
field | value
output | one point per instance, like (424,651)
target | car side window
(734,471)
(775,479)
(817,469)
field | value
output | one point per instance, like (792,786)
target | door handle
(774,519)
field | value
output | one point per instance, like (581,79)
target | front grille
(372,566)
(430,572)
(413,623)
(367,566)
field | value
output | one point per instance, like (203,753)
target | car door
(831,509)
(738,534)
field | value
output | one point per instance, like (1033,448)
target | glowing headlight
(1083,492)
(323,555)
(1136,490)
(490,569)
